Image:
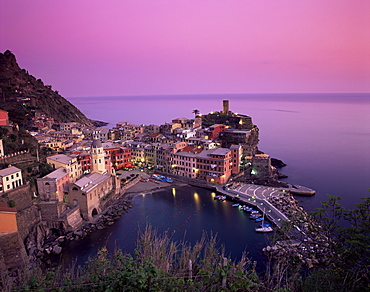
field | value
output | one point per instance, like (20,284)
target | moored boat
(264,229)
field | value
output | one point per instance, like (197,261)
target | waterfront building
(215,165)
(10,178)
(236,153)
(261,166)
(87,192)
(69,162)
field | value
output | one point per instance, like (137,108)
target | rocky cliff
(22,95)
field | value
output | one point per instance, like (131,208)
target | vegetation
(159,264)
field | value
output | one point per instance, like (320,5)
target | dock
(256,196)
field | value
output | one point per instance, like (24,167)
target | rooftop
(9,170)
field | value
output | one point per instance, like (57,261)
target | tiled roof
(9,170)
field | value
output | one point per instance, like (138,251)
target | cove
(184,213)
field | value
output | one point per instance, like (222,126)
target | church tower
(97,157)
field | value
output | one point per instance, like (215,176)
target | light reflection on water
(185,213)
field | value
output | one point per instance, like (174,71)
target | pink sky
(124,47)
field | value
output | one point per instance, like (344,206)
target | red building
(118,155)
(214,131)
(4,118)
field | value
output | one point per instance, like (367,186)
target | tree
(196,112)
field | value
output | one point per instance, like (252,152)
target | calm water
(323,138)
(184,213)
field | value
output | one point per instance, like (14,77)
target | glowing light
(196,197)
(174,191)
(213,194)
(254,171)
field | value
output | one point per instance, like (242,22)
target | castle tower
(97,157)
(225,108)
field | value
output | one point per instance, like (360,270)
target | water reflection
(185,213)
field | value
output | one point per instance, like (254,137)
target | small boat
(235,205)
(254,211)
(222,198)
(255,216)
(259,219)
(264,229)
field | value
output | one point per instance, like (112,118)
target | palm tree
(196,112)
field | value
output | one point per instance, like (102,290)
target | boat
(259,219)
(265,229)
(222,198)
(235,205)
(255,216)
(264,225)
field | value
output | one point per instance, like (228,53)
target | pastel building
(214,131)
(10,178)
(118,155)
(8,219)
(215,165)
(4,118)
(68,162)
(87,192)
(52,187)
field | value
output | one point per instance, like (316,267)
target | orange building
(8,220)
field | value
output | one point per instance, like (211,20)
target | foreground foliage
(160,264)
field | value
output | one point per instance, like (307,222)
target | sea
(324,138)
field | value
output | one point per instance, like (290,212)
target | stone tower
(97,157)
(225,108)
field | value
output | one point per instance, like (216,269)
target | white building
(10,178)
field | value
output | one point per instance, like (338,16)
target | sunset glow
(104,48)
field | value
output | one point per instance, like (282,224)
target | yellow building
(69,162)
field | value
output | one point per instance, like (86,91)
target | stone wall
(21,196)
(27,219)
(49,210)
(73,218)
(12,252)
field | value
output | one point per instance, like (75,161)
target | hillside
(24,96)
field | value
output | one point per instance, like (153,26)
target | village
(86,165)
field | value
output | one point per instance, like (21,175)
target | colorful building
(8,219)
(53,186)
(4,118)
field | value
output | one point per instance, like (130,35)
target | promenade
(256,196)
